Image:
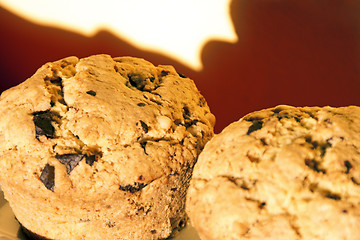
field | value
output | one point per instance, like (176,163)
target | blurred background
(301,53)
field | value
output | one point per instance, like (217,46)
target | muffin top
(281,173)
(78,125)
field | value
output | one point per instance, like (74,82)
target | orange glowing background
(288,52)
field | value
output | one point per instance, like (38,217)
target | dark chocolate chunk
(297,119)
(142,81)
(133,188)
(309,140)
(177,121)
(70,160)
(91,92)
(314,165)
(177,224)
(348,166)
(56,81)
(311,115)
(164,73)
(257,124)
(355,181)
(90,159)
(263,141)
(141,104)
(182,223)
(181,75)
(137,80)
(191,123)
(143,145)
(43,126)
(262,205)
(186,113)
(144,126)
(323,148)
(47,177)
(333,196)
(253,159)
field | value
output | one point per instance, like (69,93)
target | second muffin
(281,173)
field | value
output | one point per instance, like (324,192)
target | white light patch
(178,29)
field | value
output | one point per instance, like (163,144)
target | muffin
(281,173)
(101,148)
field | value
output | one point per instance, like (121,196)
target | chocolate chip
(309,140)
(47,177)
(314,165)
(137,80)
(56,81)
(181,75)
(143,145)
(323,148)
(141,104)
(262,205)
(257,124)
(91,92)
(263,141)
(182,223)
(133,188)
(348,166)
(355,181)
(144,126)
(333,196)
(191,123)
(328,120)
(315,145)
(177,121)
(43,126)
(164,73)
(252,158)
(297,119)
(186,112)
(311,115)
(70,160)
(90,159)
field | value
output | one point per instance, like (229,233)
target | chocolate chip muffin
(101,148)
(280,173)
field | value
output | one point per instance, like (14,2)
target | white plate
(10,229)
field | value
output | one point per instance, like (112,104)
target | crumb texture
(280,173)
(101,146)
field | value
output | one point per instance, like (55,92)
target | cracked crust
(101,148)
(280,173)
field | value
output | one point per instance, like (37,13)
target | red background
(289,52)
